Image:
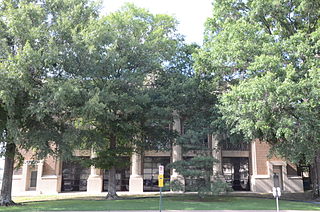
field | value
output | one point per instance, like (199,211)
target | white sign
(276,191)
(161,170)
(279,191)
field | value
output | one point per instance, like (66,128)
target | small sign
(161,170)
(276,191)
(160,180)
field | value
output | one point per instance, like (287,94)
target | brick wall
(262,150)
(49,166)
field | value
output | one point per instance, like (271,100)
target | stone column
(95,179)
(253,167)
(58,168)
(176,149)
(136,179)
(39,175)
(24,179)
(216,153)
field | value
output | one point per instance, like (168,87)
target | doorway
(236,172)
(151,171)
(277,171)
(122,179)
(33,179)
(74,176)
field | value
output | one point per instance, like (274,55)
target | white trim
(261,176)
(283,165)
(269,168)
(157,154)
(254,158)
(294,177)
(278,163)
(16,177)
(235,154)
(49,177)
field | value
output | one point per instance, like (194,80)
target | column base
(180,180)
(94,184)
(136,184)
(218,177)
(49,184)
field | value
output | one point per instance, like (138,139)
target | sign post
(276,190)
(160,184)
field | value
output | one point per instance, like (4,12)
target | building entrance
(122,179)
(74,176)
(305,172)
(236,172)
(151,171)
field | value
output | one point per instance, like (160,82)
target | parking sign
(161,170)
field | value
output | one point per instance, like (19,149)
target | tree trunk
(112,193)
(316,176)
(5,196)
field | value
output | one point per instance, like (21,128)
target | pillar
(176,149)
(216,153)
(253,167)
(136,179)
(58,168)
(39,175)
(95,179)
(24,179)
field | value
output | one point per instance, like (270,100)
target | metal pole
(277,202)
(160,204)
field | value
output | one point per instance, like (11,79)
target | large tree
(284,113)
(189,95)
(119,106)
(37,39)
(263,56)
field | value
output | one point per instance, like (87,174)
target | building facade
(245,167)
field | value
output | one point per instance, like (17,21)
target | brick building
(245,167)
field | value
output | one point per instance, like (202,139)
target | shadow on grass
(172,202)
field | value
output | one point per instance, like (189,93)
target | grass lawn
(182,202)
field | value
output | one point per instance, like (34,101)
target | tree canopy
(112,96)
(264,59)
(261,54)
(37,39)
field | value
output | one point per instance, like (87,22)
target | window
(151,171)
(291,170)
(74,176)
(122,178)
(33,179)
(236,172)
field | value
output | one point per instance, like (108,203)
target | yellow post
(160,184)
(160,180)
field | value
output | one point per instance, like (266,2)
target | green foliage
(284,113)
(189,95)
(263,58)
(109,158)
(198,172)
(39,45)
(37,40)
(112,97)
(196,167)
